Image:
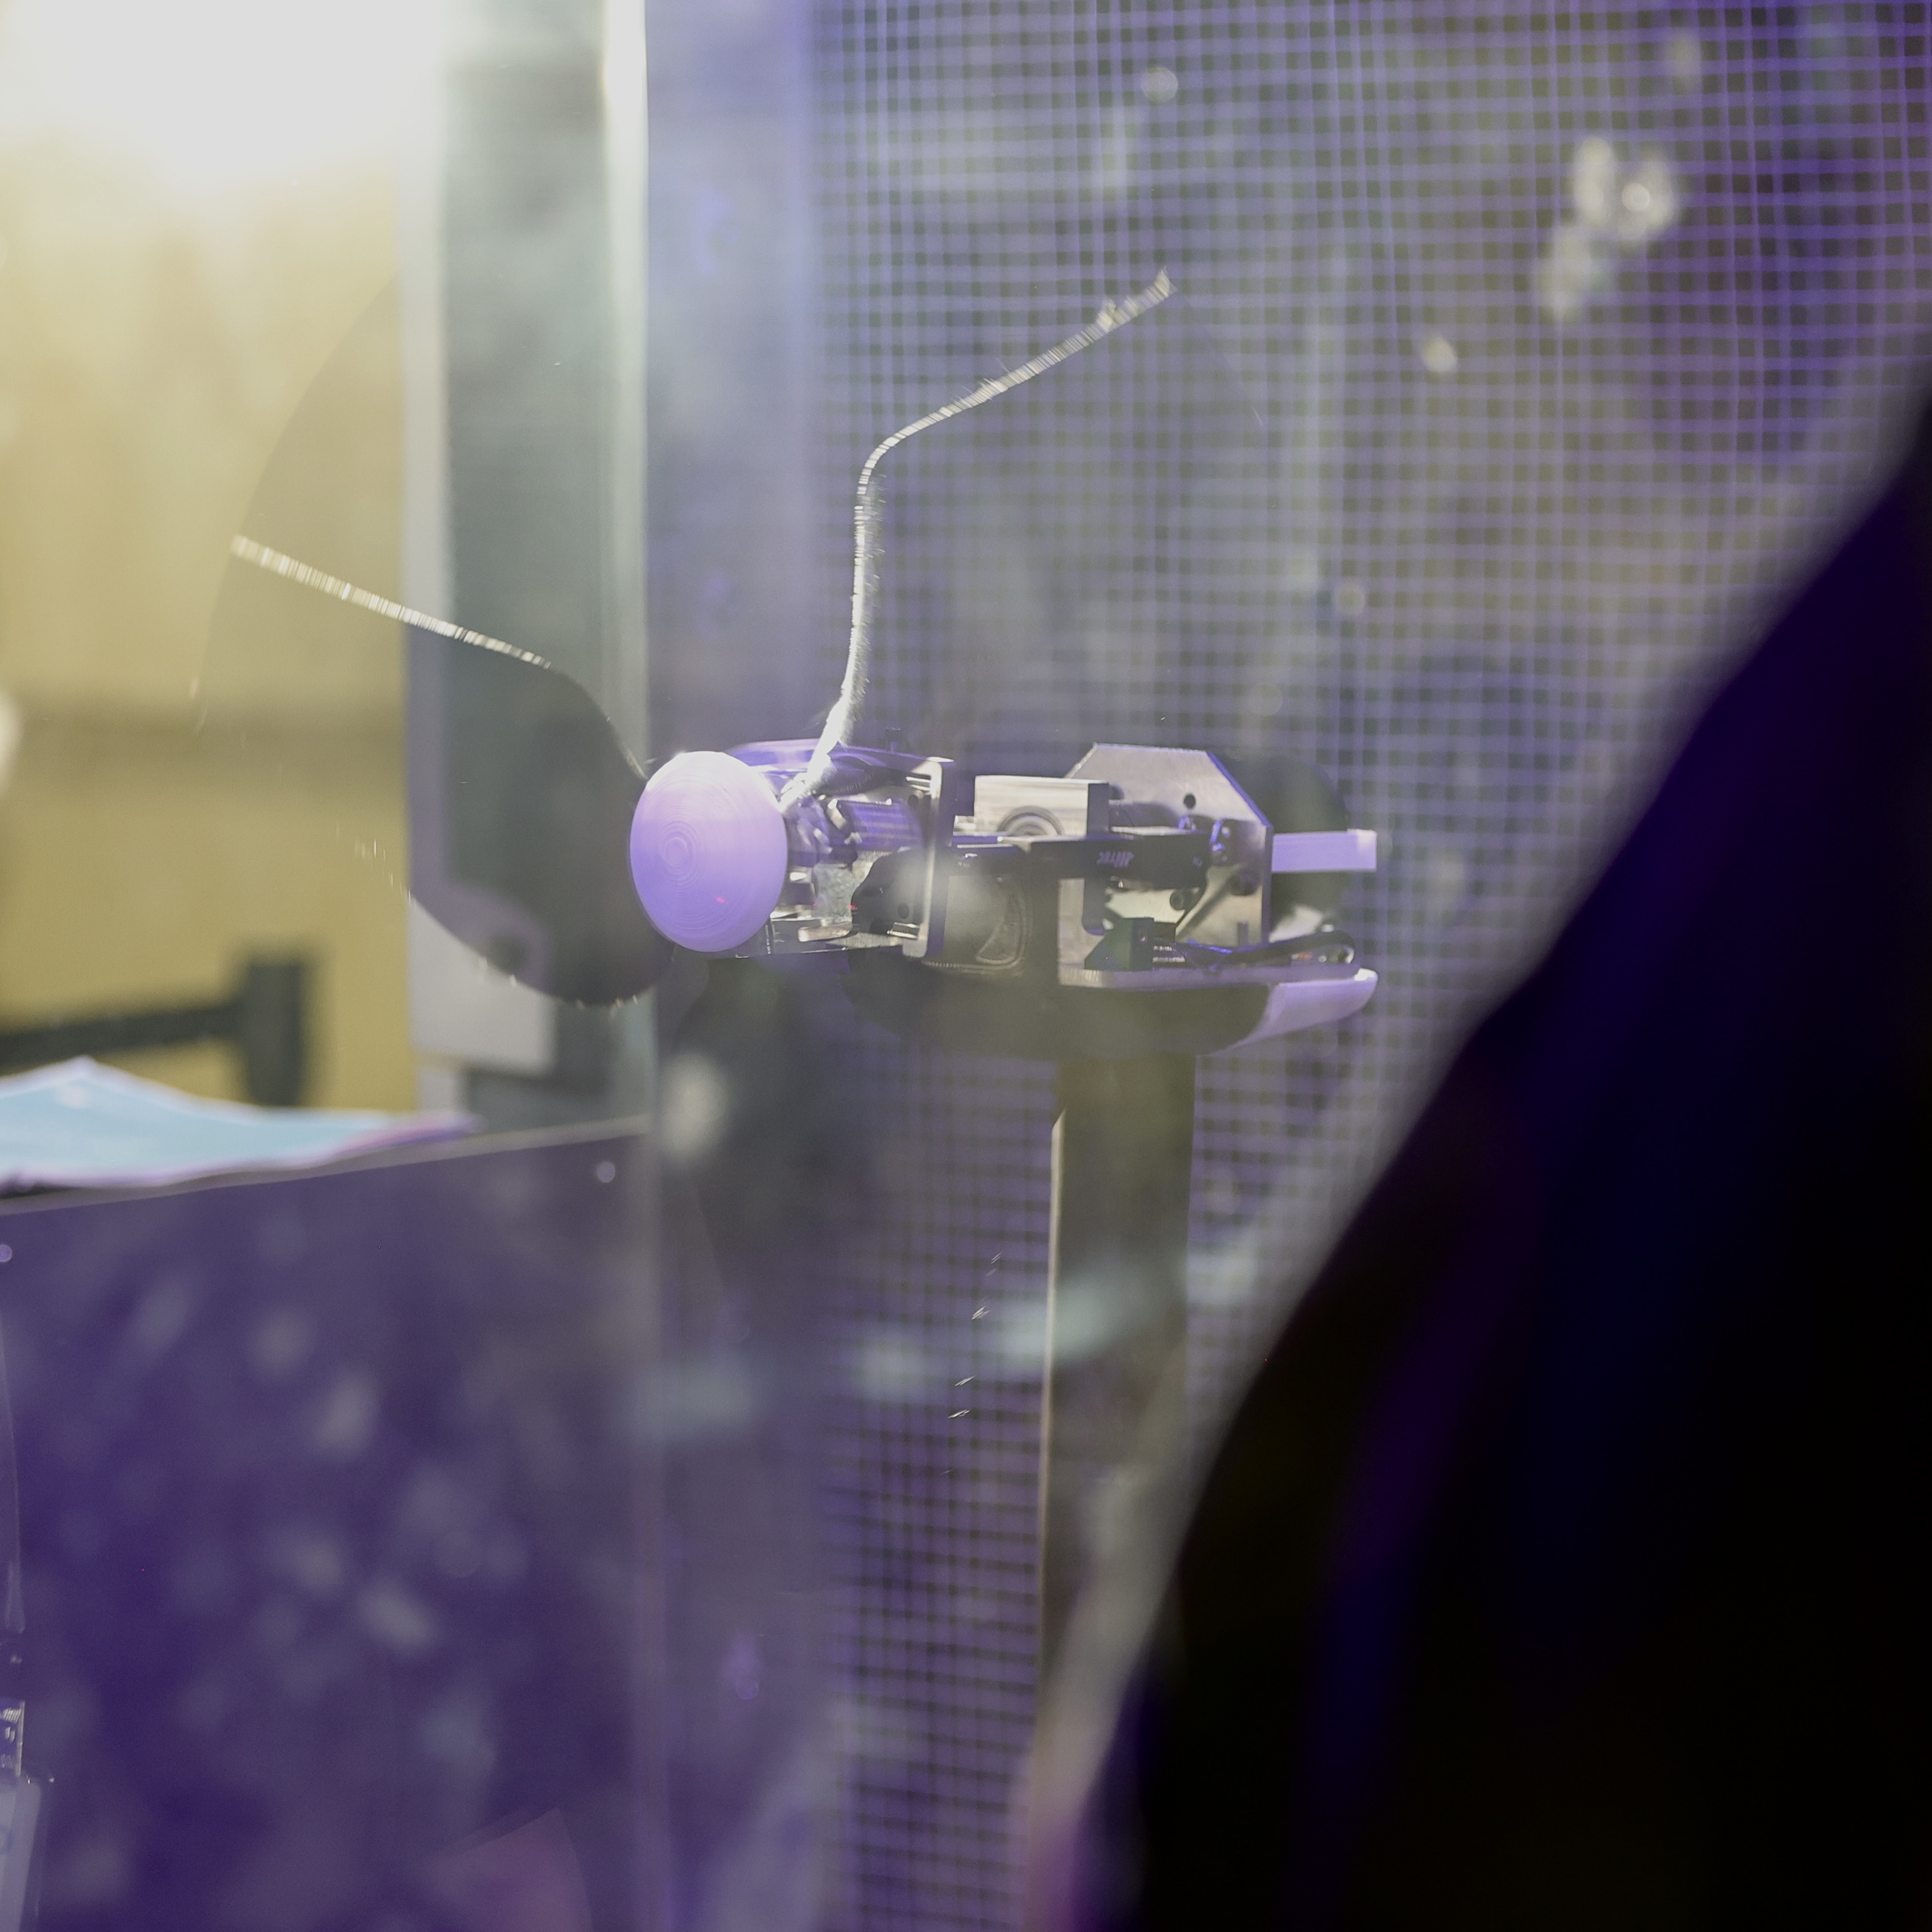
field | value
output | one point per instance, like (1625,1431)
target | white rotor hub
(709,854)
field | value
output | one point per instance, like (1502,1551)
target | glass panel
(654,1501)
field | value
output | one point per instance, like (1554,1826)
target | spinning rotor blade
(520,797)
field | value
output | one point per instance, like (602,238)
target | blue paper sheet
(79,1124)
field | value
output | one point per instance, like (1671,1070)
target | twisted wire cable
(843,717)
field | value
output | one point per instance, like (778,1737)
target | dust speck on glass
(1518,358)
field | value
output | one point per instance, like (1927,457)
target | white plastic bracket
(1324,852)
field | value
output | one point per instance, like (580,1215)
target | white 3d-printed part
(1324,852)
(708,851)
(1299,1003)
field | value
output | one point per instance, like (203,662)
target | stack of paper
(79,1124)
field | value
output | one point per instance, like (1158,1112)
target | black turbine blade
(520,800)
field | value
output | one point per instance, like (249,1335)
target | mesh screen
(1519,357)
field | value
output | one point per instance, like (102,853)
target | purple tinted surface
(338,1539)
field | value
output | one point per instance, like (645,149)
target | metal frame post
(1114,1406)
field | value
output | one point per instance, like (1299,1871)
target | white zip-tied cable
(845,715)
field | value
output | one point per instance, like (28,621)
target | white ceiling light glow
(207,93)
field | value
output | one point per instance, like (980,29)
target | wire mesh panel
(1518,358)
(931,1479)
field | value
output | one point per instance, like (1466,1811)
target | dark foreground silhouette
(1569,1564)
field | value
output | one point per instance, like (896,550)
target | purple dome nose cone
(708,851)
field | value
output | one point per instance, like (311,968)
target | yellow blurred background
(198,336)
